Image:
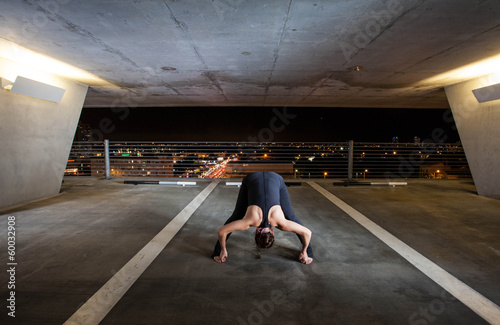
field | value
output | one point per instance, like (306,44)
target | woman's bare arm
(303,232)
(223,231)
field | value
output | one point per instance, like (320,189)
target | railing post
(350,162)
(106,159)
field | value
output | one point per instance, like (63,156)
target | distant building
(161,166)
(83,133)
(434,170)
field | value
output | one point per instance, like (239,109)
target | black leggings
(249,188)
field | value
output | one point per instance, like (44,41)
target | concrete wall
(479,129)
(35,137)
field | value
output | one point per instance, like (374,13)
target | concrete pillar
(479,128)
(35,139)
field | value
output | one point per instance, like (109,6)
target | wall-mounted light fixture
(32,88)
(6,84)
(487,94)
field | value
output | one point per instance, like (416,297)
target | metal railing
(344,160)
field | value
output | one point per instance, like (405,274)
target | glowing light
(30,63)
(477,69)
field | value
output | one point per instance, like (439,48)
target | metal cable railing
(291,160)
(405,160)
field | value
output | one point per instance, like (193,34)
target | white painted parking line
(482,306)
(99,305)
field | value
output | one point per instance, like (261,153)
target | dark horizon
(268,124)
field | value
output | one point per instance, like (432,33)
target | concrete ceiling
(259,53)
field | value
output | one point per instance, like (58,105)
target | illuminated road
(217,171)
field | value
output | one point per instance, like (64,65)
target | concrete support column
(35,138)
(479,128)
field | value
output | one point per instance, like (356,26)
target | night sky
(267,124)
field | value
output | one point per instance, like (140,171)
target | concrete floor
(69,245)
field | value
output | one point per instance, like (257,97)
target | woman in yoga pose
(263,202)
